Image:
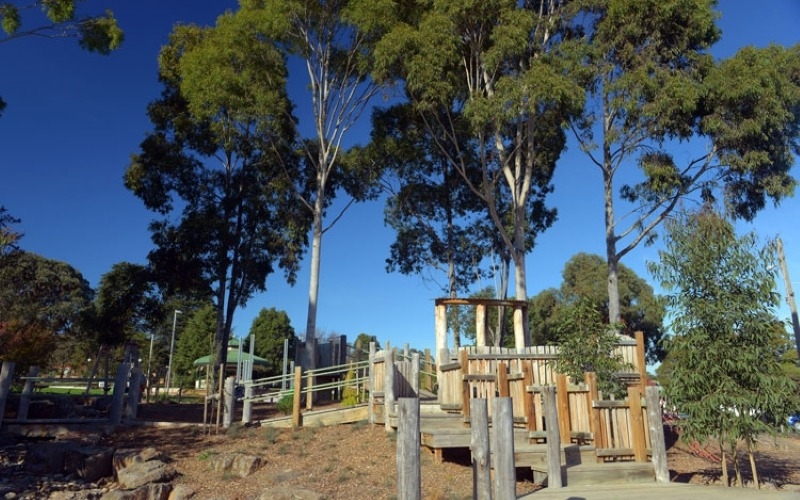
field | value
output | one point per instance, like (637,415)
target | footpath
(670,491)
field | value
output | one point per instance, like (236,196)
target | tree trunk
(521,334)
(611,242)
(753,467)
(313,282)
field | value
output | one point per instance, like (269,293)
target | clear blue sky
(74,118)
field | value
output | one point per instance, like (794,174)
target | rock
(147,492)
(46,458)
(141,473)
(126,457)
(289,494)
(237,464)
(89,463)
(181,492)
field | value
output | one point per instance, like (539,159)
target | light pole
(171,348)
(149,361)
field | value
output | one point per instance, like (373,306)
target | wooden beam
(637,424)
(562,397)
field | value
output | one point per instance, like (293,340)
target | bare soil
(357,461)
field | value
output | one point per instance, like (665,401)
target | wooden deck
(443,432)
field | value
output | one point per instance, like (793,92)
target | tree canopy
(653,85)
(41,300)
(214,165)
(270,328)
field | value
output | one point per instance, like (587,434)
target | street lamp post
(149,361)
(171,349)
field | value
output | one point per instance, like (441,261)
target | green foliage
(195,339)
(225,159)
(125,304)
(270,328)
(8,237)
(61,19)
(725,368)
(286,404)
(41,300)
(350,394)
(586,344)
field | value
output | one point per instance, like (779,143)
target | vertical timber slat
(562,397)
(637,424)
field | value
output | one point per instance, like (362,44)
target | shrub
(286,403)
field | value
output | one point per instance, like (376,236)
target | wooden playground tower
(601,439)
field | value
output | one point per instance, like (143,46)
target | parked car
(793,421)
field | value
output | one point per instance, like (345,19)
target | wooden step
(610,473)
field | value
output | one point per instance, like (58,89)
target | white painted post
(441,334)
(247,407)
(409,477)
(413,374)
(479,446)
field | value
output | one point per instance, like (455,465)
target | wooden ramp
(319,418)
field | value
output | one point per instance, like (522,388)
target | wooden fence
(618,429)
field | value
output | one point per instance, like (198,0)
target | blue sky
(73,120)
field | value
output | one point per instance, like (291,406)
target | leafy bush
(286,403)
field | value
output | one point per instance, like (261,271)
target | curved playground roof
(232,358)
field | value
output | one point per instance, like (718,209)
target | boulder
(289,494)
(141,473)
(236,464)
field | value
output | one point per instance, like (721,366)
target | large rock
(236,464)
(142,473)
(127,457)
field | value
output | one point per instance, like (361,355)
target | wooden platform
(579,463)
(335,416)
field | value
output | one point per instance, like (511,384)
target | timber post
(657,440)
(247,406)
(505,471)
(297,420)
(230,401)
(409,475)
(118,398)
(371,383)
(480,451)
(388,386)
(6,376)
(553,437)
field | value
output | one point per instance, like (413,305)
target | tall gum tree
(333,40)
(211,164)
(489,62)
(652,86)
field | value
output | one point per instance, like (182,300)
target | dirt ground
(357,461)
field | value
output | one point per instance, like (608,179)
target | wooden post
(6,377)
(409,477)
(371,382)
(219,390)
(247,406)
(297,421)
(641,361)
(505,471)
(441,334)
(481,453)
(480,325)
(657,442)
(562,395)
(27,392)
(465,392)
(502,380)
(590,379)
(388,387)
(428,370)
(553,437)
(637,424)
(229,394)
(530,407)
(118,398)
(413,374)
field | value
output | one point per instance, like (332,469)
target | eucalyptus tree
(726,371)
(653,86)
(58,19)
(583,279)
(333,41)
(213,168)
(488,63)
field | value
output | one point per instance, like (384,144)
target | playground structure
(598,438)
